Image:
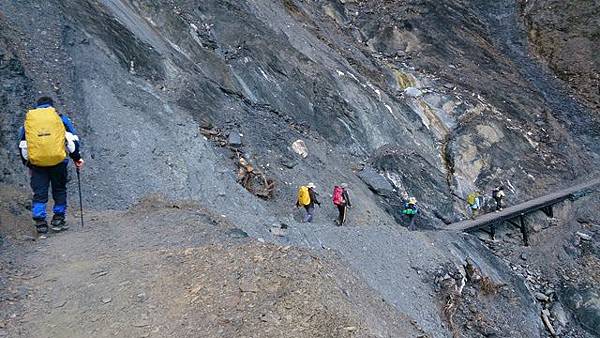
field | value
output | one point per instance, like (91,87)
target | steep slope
(566,36)
(133,63)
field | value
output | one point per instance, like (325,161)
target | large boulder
(376,182)
(585,305)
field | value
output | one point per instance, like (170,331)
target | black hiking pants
(41,179)
(498,203)
(342,213)
(411,222)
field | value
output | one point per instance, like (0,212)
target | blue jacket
(75,155)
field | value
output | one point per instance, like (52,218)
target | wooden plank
(523,208)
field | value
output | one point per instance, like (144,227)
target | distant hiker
(341,201)
(473,203)
(307,198)
(410,210)
(404,196)
(498,196)
(45,140)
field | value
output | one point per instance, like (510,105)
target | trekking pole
(80,199)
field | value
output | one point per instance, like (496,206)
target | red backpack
(338,197)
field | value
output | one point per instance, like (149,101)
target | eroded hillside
(566,35)
(435,98)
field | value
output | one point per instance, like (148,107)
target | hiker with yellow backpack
(307,198)
(45,141)
(473,203)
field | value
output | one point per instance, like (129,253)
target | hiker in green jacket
(411,210)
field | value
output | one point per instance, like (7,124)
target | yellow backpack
(471,198)
(45,136)
(303,196)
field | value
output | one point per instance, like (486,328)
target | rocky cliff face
(436,98)
(566,36)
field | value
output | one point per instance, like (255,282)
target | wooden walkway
(543,203)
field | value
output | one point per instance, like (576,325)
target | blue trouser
(41,179)
(310,210)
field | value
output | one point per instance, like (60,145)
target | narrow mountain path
(132,273)
(94,281)
(175,270)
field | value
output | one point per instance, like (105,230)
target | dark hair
(45,100)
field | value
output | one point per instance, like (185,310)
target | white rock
(278,232)
(299,148)
(584,236)
(559,313)
(412,91)
(541,297)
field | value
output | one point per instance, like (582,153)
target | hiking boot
(58,223)
(41,226)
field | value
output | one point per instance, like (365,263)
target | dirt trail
(163,268)
(174,270)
